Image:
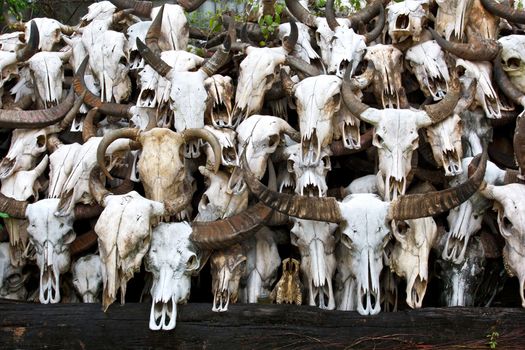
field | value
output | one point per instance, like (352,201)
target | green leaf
(4,215)
(268,19)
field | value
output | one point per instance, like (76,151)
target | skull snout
(221,296)
(318,265)
(163,315)
(459,234)
(192,149)
(451,162)
(368,293)
(49,285)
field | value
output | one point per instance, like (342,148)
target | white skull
(174,32)
(99,11)
(347,50)
(172,259)
(346,127)
(137,30)
(11,41)
(513,59)
(409,259)
(427,63)
(480,73)
(303,49)
(324,36)
(445,139)
(49,30)
(220,90)
(257,75)
(87,278)
(310,177)
(452,16)
(26,146)
(406,19)
(124,232)
(48,74)
(51,236)
(11,278)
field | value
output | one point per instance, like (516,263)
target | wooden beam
(85,326)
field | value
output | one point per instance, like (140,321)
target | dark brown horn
(152,59)
(300,65)
(505,85)
(479,49)
(290,40)
(354,104)
(83,243)
(510,14)
(153,34)
(365,15)
(37,118)
(221,234)
(331,20)
(207,136)
(88,127)
(422,205)
(111,136)
(190,5)
(80,87)
(140,8)
(70,116)
(444,108)
(32,45)
(302,14)
(378,29)
(309,208)
(519,143)
(221,56)
(84,211)
(12,207)
(99,192)
(287,83)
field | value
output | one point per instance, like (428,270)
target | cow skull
(220,91)
(48,74)
(227,268)
(26,146)
(513,59)
(406,19)
(87,278)
(445,139)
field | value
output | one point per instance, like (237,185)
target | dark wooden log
(85,326)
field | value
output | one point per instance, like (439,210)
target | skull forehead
(229,258)
(45,63)
(160,136)
(262,60)
(258,128)
(137,30)
(398,127)
(422,232)
(181,60)
(43,224)
(309,230)
(99,10)
(365,216)
(87,266)
(317,89)
(170,240)
(383,53)
(425,53)
(450,128)
(512,46)
(48,29)
(475,70)
(225,136)
(415,8)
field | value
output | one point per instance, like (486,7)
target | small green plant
(493,340)
(269,23)
(15,7)
(3,216)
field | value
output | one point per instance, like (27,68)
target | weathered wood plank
(83,326)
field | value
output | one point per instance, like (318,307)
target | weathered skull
(261,266)
(346,127)
(480,73)
(257,75)
(172,258)
(87,278)
(316,243)
(51,236)
(303,49)
(317,99)
(347,50)
(11,278)
(49,30)
(452,17)
(227,268)
(310,177)
(99,10)
(137,30)
(11,41)
(174,28)
(26,146)
(123,231)
(427,63)
(388,65)
(406,19)
(410,255)
(324,37)
(227,139)
(477,130)
(513,59)
(445,139)
(220,90)
(508,202)
(48,74)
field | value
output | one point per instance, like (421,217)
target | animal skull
(513,59)
(87,278)
(406,19)
(227,268)
(48,74)
(445,139)
(26,146)
(11,278)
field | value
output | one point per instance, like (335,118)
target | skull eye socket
(289,165)
(402,227)
(513,62)
(192,263)
(507,224)
(274,140)
(41,140)
(460,70)
(14,278)
(326,162)
(123,61)
(380,142)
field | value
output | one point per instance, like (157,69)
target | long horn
(152,59)
(88,127)
(221,56)
(510,14)
(32,45)
(479,49)
(366,14)
(287,83)
(519,143)
(140,8)
(80,87)
(70,116)
(302,14)
(309,208)
(505,85)
(300,65)
(207,136)
(37,118)
(331,20)
(130,133)
(153,34)
(422,205)
(378,29)
(190,5)
(221,234)
(290,40)
(444,108)
(12,207)
(83,243)
(354,105)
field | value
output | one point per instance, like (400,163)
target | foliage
(16,7)
(493,337)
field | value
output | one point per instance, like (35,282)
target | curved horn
(207,136)
(290,40)
(153,34)
(152,59)
(310,208)
(510,14)
(302,14)
(80,87)
(190,5)
(32,45)
(12,207)
(300,65)
(83,243)
(505,85)
(422,205)
(331,20)
(37,118)
(287,83)
(444,108)
(220,57)
(140,8)
(88,127)
(378,29)
(366,14)
(130,133)
(354,104)
(479,49)
(70,116)
(221,234)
